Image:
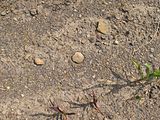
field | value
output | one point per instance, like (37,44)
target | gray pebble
(92,40)
(116,42)
(33,12)
(3,13)
(151,56)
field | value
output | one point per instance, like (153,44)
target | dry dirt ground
(53,30)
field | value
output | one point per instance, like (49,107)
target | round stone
(78,57)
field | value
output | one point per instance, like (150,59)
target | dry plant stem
(59,110)
(94,103)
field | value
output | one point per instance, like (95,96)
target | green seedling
(148,71)
(139,68)
(149,74)
(138,97)
(60,112)
(156,73)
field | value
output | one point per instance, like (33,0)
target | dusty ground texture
(53,30)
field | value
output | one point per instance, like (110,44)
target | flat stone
(38,61)
(33,12)
(151,56)
(78,57)
(103,26)
(116,42)
(3,13)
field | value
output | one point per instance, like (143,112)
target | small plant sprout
(138,97)
(139,68)
(149,73)
(60,113)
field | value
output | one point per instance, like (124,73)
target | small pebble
(78,57)
(38,61)
(3,13)
(152,50)
(92,40)
(116,42)
(75,10)
(33,12)
(42,2)
(151,56)
(15,19)
(83,41)
(105,118)
(88,35)
(94,76)
(22,95)
(103,26)
(8,87)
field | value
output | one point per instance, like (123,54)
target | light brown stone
(103,26)
(78,57)
(38,61)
